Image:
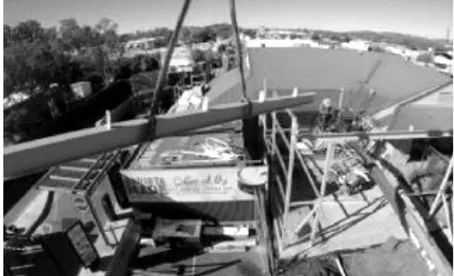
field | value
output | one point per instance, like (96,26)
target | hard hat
(327,102)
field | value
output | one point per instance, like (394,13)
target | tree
(28,32)
(34,58)
(222,48)
(108,30)
(185,35)
(163,35)
(316,37)
(197,55)
(90,37)
(121,69)
(143,63)
(70,34)
(203,35)
(7,33)
(222,31)
(425,57)
(250,32)
(105,24)
(31,65)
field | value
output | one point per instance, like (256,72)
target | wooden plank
(291,165)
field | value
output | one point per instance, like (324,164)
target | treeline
(191,34)
(409,41)
(35,57)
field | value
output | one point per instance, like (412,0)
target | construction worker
(326,113)
(205,88)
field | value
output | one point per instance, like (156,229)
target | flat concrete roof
(325,71)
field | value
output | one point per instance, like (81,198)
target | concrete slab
(185,262)
(348,222)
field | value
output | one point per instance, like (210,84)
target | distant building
(203,46)
(262,43)
(358,45)
(394,49)
(142,44)
(181,60)
(411,54)
(261,32)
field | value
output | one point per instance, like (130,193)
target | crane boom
(43,153)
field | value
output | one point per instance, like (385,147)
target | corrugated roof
(312,69)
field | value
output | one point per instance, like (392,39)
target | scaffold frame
(274,131)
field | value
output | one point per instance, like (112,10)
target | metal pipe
(382,135)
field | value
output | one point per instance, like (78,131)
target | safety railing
(281,144)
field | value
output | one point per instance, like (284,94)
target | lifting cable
(240,56)
(154,106)
(162,77)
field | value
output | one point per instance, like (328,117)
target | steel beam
(383,135)
(43,153)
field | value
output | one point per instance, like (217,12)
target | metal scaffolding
(285,158)
(295,158)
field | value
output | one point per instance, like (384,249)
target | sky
(428,18)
